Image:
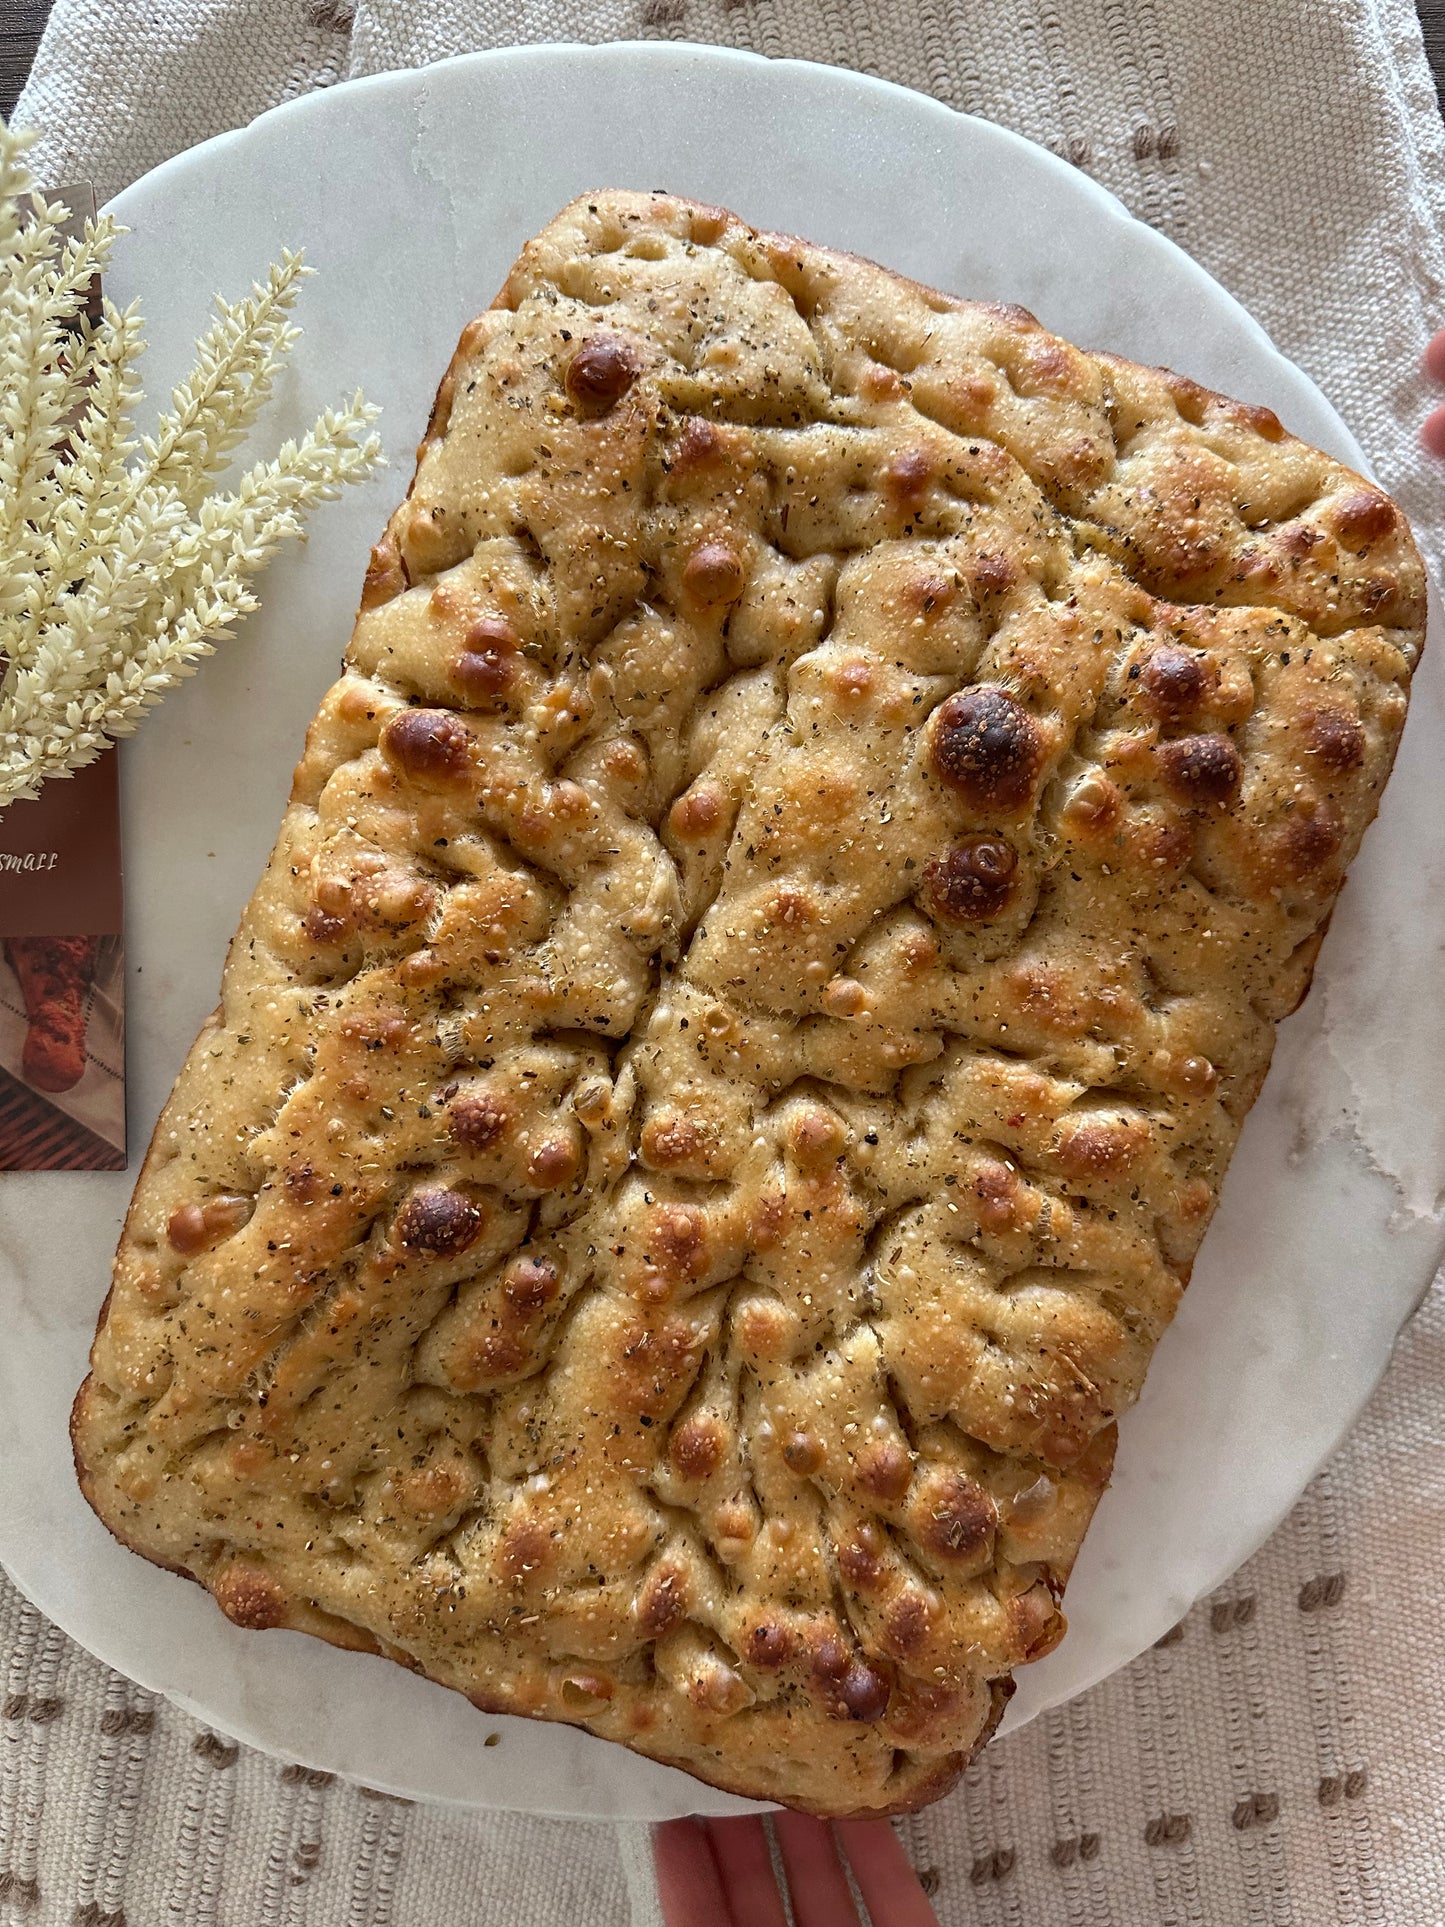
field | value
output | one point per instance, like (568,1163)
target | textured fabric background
(1280,1758)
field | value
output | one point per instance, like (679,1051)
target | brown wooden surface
(1432,19)
(36,1136)
(22,20)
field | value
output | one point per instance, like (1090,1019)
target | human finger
(885,1876)
(1432,431)
(688,1882)
(1435,358)
(740,1847)
(817,1884)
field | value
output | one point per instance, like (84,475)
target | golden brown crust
(777,929)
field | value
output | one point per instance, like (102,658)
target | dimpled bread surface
(775,934)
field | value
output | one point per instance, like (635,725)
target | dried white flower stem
(120,566)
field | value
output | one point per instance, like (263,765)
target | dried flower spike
(120,566)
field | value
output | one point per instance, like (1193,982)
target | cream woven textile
(1281,1757)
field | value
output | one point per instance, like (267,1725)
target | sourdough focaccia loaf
(777,928)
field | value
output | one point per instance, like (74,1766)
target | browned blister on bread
(778,926)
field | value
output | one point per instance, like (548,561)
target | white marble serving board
(411,194)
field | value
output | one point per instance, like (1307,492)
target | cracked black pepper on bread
(776,932)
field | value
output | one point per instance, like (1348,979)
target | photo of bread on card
(718,1090)
(55,976)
